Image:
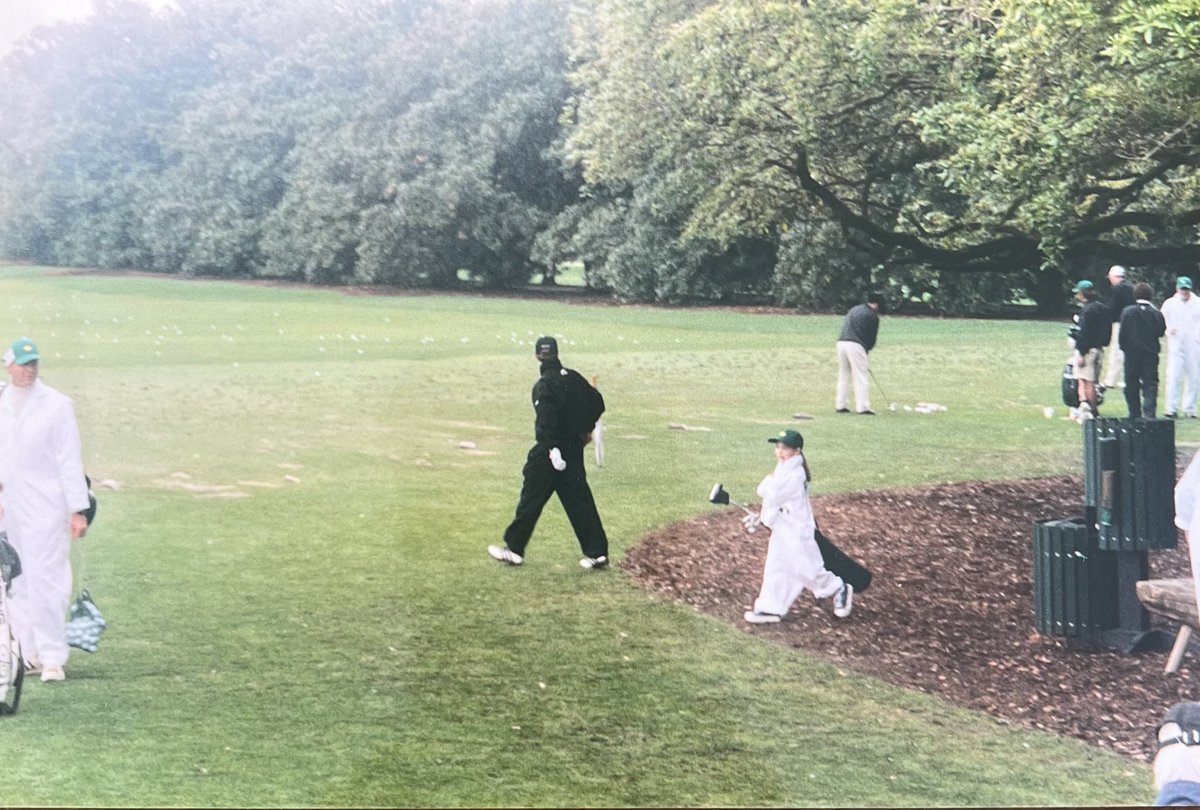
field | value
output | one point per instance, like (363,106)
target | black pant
(1141,383)
(541,481)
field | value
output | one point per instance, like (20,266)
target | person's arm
(870,330)
(68,451)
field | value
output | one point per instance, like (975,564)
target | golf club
(719,496)
(874,379)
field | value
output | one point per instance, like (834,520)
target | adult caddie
(44,498)
(1142,327)
(1120,298)
(1095,327)
(566,408)
(855,341)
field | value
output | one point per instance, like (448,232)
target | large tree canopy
(966,153)
(967,137)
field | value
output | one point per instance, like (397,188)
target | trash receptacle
(1129,482)
(1074,580)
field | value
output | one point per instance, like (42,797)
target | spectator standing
(44,499)
(555,462)
(1122,296)
(1095,326)
(860,328)
(1182,314)
(1140,329)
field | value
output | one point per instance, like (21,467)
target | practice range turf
(296,490)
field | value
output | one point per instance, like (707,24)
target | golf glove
(556,459)
(751,522)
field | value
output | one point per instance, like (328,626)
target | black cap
(546,348)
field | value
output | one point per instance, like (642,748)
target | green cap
(788,438)
(1183,283)
(23,352)
(1083,285)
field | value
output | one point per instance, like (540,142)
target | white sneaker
(594,563)
(505,555)
(53,674)
(843,601)
(754,617)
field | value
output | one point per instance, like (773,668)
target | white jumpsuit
(794,561)
(1187,516)
(1183,353)
(41,470)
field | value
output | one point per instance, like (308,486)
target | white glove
(556,459)
(751,522)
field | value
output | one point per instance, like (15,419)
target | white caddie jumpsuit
(794,561)
(41,470)
(1187,516)
(1183,353)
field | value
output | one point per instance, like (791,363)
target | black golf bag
(1070,388)
(842,564)
(12,666)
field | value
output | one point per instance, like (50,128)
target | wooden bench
(1176,600)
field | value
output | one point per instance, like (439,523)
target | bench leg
(1181,642)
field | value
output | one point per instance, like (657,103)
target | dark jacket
(1141,327)
(1120,298)
(861,326)
(1095,328)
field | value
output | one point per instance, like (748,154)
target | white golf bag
(12,666)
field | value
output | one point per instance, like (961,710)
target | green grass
(302,613)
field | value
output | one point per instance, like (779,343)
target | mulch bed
(950,610)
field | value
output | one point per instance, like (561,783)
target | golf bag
(1070,388)
(842,564)
(12,666)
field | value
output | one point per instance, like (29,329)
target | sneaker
(1085,411)
(33,667)
(843,601)
(867,412)
(505,555)
(754,617)
(842,410)
(53,674)
(594,563)
(1170,416)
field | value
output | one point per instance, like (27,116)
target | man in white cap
(43,500)
(1120,297)
(1182,314)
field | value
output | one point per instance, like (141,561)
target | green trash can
(1129,482)
(1074,580)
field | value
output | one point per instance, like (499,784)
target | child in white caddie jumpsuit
(794,561)
(44,494)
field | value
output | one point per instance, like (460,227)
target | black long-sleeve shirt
(861,326)
(1120,298)
(1095,328)
(1141,328)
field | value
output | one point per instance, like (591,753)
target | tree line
(959,155)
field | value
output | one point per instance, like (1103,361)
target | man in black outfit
(555,463)
(1141,327)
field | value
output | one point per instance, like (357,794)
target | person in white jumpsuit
(42,493)
(794,560)
(1182,314)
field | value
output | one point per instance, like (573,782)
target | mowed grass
(302,613)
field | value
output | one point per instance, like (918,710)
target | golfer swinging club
(566,409)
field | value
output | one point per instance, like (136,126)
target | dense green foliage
(301,611)
(964,154)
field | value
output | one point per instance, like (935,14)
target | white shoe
(53,674)
(843,601)
(594,563)
(754,617)
(505,555)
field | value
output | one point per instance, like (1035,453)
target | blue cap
(1083,285)
(23,352)
(1183,283)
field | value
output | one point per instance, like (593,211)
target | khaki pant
(852,365)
